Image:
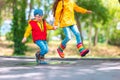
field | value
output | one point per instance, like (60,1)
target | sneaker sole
(60,53)
(84,53)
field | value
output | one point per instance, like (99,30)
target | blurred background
(100,31)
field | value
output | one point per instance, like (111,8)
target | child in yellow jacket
(63,11)
(39,28)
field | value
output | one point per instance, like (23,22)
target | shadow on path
(19,68)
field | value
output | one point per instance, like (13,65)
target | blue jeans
(42,44)
(67,33)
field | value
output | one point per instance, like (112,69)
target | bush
(115,38)
(9,36)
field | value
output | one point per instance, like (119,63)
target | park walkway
(25,68)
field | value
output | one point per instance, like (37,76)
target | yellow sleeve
(49,27)
(58,13)
(28,31)
(79,9)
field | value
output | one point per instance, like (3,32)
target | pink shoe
(61,54)
(84,52)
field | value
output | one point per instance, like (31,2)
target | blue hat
(38,11)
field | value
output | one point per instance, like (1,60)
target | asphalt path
(25,68)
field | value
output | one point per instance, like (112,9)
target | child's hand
(24,40)
(55,27)
(89,11)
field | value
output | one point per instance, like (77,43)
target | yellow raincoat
(66,17)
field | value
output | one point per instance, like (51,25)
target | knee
(44,51)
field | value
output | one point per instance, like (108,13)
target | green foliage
(2,3)
(101,38)
(100,16)
(115,38)
(100,13)
(18,26)
(9,36)
(60,32)
(114,12)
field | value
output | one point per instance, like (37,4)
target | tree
(111,27)
(30,8)
(31,5)
(99,16)
(18,25)
(2,3)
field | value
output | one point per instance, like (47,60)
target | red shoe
(84,52)
(61,54)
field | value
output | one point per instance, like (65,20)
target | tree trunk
(90,36)
(2,3)
(96,37)
(18,26)
(107,35)
(0,24)
(79,28)
(31,6)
